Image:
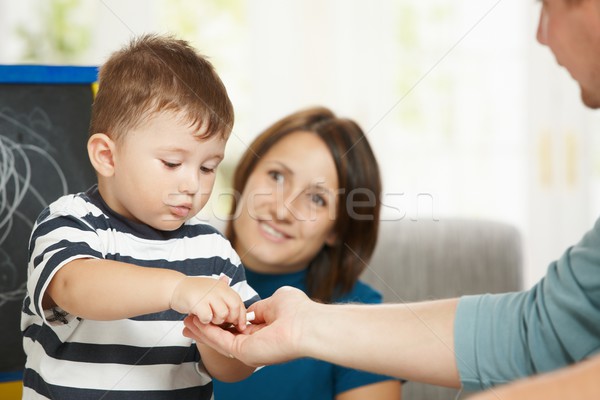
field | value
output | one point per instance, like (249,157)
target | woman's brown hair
(335,269)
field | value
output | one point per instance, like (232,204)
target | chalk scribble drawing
(26,158)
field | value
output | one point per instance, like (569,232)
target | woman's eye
(318,200)
(276,176)
(170,164)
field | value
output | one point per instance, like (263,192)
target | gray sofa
(420,260)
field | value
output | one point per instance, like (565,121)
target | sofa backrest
(421,260)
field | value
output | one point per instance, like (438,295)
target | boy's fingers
(220,313)
(203,313)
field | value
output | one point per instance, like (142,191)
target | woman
(308,217)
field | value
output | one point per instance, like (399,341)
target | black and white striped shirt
(145,357)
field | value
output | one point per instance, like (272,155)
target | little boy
(114,270)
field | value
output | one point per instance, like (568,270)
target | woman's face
(287,210)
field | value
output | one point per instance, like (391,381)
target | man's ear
(101,150)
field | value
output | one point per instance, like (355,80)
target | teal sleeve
(500,338)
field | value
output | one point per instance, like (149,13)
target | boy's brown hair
(155,74)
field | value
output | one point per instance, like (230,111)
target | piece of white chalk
(250,316)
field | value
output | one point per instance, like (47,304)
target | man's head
(571,29)
(154,74)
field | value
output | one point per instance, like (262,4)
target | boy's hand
(211,300)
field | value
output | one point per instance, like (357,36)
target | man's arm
(410,341)
(579,381)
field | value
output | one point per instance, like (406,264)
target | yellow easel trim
(11,390)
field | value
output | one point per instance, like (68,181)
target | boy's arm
(102,289)
(108,290)
(223,368)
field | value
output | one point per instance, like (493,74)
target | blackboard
(44,121)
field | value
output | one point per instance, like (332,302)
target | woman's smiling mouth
(270,231)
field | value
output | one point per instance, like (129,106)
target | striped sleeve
(56,240)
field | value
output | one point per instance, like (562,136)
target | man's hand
(273,336)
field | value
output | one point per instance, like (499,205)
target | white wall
(468,116)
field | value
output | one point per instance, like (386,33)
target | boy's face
(163,173)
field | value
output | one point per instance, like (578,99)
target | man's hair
(153,74)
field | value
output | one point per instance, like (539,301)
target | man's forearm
(412,341)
